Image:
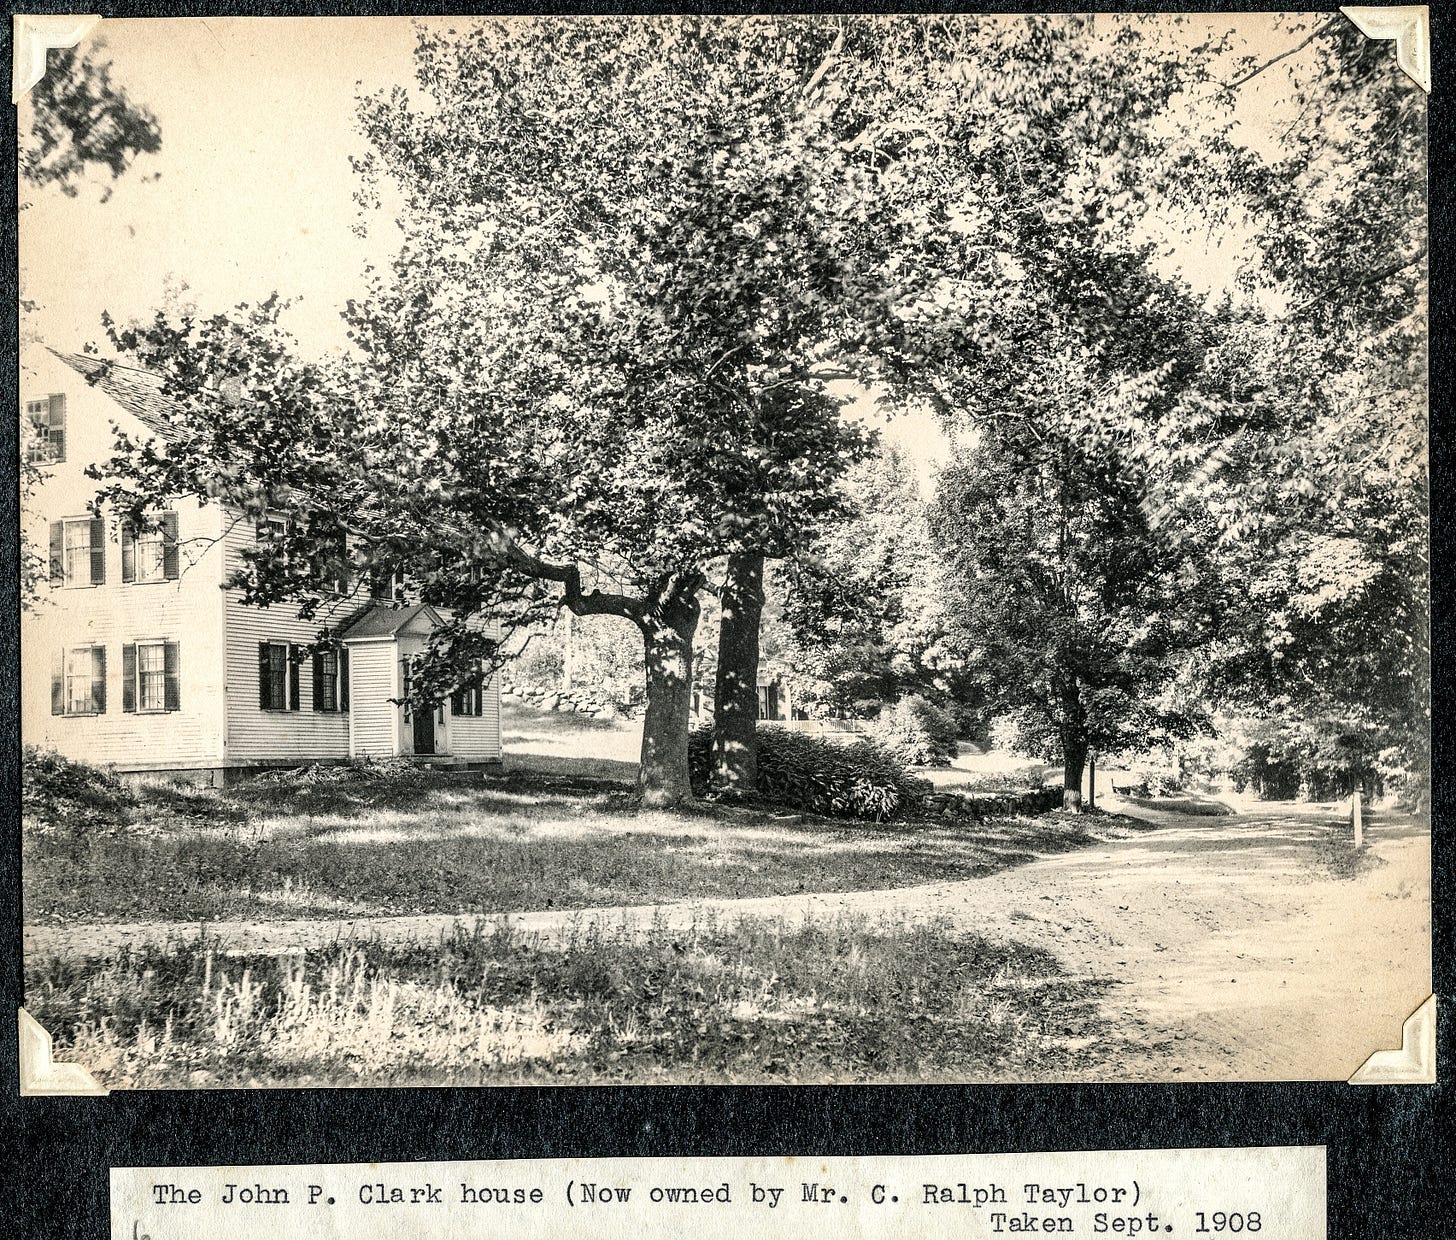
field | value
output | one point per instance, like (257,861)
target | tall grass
(844,999)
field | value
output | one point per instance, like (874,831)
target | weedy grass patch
(841,999)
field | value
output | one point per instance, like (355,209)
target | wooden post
(1357,815)
(1092,779)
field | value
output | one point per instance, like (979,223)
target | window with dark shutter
(343,678)
(326,680)
(82,682)
(48,430)
(277,688)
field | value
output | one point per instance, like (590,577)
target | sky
(252,190)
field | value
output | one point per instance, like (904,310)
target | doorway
(424,721)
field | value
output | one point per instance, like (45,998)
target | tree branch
(1269,64)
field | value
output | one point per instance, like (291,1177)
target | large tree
(593,368)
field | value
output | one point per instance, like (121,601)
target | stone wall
(584,700)
(956,805)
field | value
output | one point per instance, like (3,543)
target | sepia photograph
(708,549)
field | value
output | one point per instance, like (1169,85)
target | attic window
(48,430)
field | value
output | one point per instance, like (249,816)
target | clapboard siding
(255,734)
(372,683)
(478,739)
(187,611)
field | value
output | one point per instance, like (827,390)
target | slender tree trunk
(1074,748)
(667,636)
(735,692)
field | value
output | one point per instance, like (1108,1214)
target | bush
(57,794)
(862,780)
(917,732)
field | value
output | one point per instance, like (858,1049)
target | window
(386,586)
(272,529)
(150,680)
(78,552)
(469,700)
(277,676)
(152,554)
(78,681)
(331,680)
(48,430)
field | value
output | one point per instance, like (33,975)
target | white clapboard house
(137,656)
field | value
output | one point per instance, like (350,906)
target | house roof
(382,620)
(139,392)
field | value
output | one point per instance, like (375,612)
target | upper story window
(152,554)
(48,430)
(78,552)
(272,529)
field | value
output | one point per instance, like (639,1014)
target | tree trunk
(735,692)
(1074,749)
(667,635)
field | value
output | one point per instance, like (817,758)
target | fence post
(1356,815)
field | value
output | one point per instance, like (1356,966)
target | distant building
(139,657)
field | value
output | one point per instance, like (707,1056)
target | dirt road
(1237,948)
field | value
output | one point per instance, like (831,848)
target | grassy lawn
(442,841)
(762,1000)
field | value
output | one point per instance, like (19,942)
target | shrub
(862,780)
(60,795)
(917,732)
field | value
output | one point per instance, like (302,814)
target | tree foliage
(76,119)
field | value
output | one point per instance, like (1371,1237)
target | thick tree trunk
(735,692)
(667,636)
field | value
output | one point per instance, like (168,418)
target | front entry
(424,731)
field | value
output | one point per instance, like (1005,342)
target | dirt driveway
(1233,948)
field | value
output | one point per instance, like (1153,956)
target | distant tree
(864,612)
(76,119)
(1076,616)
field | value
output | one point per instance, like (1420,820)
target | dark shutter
(58,684)
(343,678)
(172,665)
(318,680)
(98,553)
(479,701)
(169,546)
(98,679)
(128,553)
(57,420)
(128,677)
(294,659)
(265,691)
(58,552)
